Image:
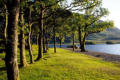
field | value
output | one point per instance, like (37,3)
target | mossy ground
(66,65)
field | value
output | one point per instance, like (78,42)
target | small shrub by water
(110,42)
(92,43)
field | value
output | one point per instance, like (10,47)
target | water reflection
(111,49)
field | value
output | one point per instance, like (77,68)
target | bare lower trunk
(73,42)
(83,43)
(23,61)
(46,39)
(30,46)
(83,47)
(54,39)
(37,39)
(44,48)
(5,24)
(80,38)
(12,40)
(46,44)
(40,54)
(60,43)
(54,33)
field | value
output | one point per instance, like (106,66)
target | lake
(106,48)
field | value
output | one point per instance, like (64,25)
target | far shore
(104,56)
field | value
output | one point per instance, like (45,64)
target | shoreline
(104,56)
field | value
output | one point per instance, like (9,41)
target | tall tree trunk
(30,45)
(80,37)
(23,61)
(54,33)
(47,45)
(5,24)
(73,37)
(44,48)
(29,39)
(12,40)
(37,39)
(46,39)
(60,43)
(40,54)
(83,43)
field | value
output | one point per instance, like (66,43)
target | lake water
(106,48)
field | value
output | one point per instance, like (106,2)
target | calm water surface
(106,48)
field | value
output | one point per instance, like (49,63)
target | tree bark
(5,24)
(83,43)
(40,54)
(80,38)
(30,45)
(54,33)
(37,39)
(12,40)
(44,48)
(23,61)
(47,45)
(46,39)
(29,38)
(73,37)
(60,43)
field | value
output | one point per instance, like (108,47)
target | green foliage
(81,5)
(89,22)
(100,26)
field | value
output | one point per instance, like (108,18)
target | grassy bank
(66,65)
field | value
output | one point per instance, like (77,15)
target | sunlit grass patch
(67,65)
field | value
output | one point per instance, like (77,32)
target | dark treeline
(23,22)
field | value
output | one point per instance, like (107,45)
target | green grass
(66,65)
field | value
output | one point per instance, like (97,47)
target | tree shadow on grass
(48,56)
(3,69)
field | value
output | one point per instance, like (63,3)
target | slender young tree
(44,47)
(73,38)
(4,20)
(23,61)
(30,23)
(40,54)
(54,35)
(29,44)
(5,23)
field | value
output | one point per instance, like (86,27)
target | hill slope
(66,65)
(109,34)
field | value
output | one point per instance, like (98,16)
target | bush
(92,43)
(110,42)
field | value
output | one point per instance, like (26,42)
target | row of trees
(24,22)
